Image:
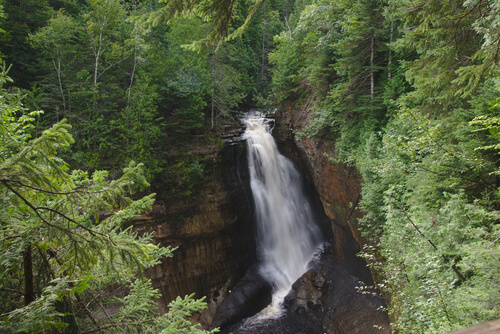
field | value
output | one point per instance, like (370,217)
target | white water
(287,234)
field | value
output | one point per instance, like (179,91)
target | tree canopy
(407,91)
(67,241)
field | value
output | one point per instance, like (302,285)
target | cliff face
(216,240)
(337,185)
(343,308)
(213,232)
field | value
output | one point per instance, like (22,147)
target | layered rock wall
(213,232)
(337,185)
(336,302)
(216,240)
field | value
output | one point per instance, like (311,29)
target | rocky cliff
(215,237)
(338,185)
(212,230)
(336,302)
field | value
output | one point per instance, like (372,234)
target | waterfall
(287,234)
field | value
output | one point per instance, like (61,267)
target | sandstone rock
(213,233)
(340,270)
(216,246)
(337,184)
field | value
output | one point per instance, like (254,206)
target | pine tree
(66,238)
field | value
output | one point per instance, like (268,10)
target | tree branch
(11,237)
(87,311)
(12,290)
(102,72)
(493,242)
(354,206)
(453,266)
(76,191)
(94,298)
(36,210)
(451,153)
(31,206)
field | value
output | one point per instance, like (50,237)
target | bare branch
(493,242)
(86,310)
(11,237)
(102,72)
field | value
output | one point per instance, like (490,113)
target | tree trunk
(212,114)
(29,292)
(59,79)
(263,43)
(288,27)
(95,70)
(64,306)
(389,64)
(372,69)
(372,66)
(69,102)
(97,59)
(132,76)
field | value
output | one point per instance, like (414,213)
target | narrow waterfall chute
(287,233)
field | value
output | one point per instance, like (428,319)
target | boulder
(250,295)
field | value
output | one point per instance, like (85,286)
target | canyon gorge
(216,239)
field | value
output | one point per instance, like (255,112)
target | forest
(102,101)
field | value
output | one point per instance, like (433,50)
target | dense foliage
(118,83)
(70,260)
(408,91)
(126,79)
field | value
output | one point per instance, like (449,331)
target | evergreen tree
(66,239)
(407,91)
(21,19)
(56,39)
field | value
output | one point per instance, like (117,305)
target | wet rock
(337,184)
(250,295)
(215,248)
(324,300)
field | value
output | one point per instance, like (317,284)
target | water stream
(287,234)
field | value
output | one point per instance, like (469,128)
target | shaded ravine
(216,238)
(322,300)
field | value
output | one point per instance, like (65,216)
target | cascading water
(287,234)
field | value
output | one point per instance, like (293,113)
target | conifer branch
(451,153)
(92,232)
(453,266)
(416,227)
(36,210)
(32,207)
(11,237)
(441,299)
(76,191)
(457,176)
